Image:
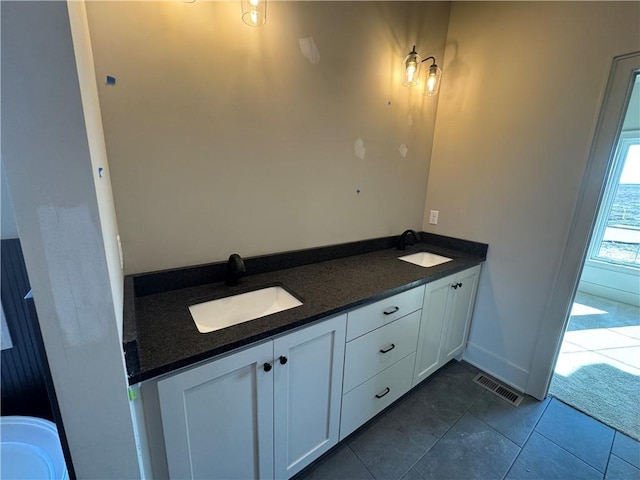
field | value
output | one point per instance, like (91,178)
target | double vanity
(261,379)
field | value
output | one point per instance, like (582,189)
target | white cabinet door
(456,329)
(307,395)
(434,311)
(218,418)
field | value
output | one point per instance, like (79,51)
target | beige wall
(98,153)
(516,115)
(224,138)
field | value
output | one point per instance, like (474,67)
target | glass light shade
(432,82)
(254,12)
(411,69)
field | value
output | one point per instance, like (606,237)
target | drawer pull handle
(391,310)
(386,390)
(393,345)
(267,367)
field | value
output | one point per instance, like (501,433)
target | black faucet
(235,270)
(404,240)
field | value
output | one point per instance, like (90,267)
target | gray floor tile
(627,449)
(455,368)
(412,475)
(423,410)
(542,459)
(618,469)
(450,393)
(392,444)
(341,464)
(471,449)
(577,433)
(515,423)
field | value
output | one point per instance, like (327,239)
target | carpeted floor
(598,370)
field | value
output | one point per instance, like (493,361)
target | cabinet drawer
(370,354)
(361,403)
(375,315)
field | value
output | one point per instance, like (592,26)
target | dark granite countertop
(167,339)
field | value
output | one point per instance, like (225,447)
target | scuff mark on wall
(81,319)
(358,148)
(310,50)
(403,150)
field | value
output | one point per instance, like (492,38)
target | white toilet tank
(29,449)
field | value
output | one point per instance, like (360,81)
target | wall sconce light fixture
(254,12)
(411,73)
(411,68)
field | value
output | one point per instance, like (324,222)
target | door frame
(556,317)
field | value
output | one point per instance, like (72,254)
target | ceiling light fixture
(254,12)
(411,73)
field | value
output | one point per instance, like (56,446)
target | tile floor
(451,428)
(598,369)
(601,331)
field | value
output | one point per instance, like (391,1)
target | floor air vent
(498,389)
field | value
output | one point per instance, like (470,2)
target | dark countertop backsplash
(160,336)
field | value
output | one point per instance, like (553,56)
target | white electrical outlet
(433,217)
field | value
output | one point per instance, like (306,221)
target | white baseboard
(610,293)
(497,366)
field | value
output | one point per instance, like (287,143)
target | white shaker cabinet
(264,412)
(217,418)
(458,320)
(446,316)
(270,410)
(380,356)
(307,394)
(434,309)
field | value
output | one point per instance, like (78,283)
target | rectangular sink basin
(425,259)
(229,311)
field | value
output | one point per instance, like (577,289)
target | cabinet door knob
(382,350)
(283,359)
(391,310)
(459,284)
(386,390)
(267,366)
(454,286)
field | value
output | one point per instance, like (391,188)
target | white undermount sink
(229,311)
(425,259)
